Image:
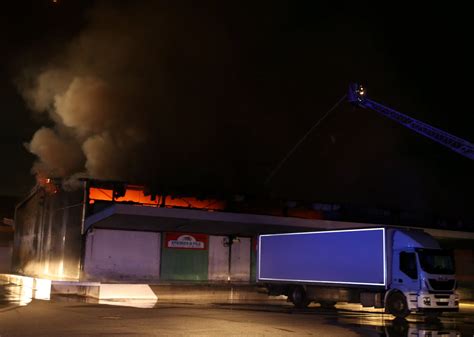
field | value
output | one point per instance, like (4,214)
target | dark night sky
(263,75)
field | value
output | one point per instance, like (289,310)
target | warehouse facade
(105,231)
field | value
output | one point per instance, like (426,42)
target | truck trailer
(401,270)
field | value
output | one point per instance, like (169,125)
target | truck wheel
(299,298)
(397,305)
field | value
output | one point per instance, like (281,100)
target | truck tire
(397,305)
(299,297)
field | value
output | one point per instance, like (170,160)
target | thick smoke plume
(129,97)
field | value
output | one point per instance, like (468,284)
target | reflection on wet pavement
(368,322)
(415,325)
(405,329)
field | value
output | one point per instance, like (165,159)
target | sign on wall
(186,241)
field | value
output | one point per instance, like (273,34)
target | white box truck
(400,270)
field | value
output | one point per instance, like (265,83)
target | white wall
(122,255)
(219,259)
(240,267)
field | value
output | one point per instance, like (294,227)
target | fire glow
(47,184)
(136,195)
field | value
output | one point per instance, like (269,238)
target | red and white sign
(186,241)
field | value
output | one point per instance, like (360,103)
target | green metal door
(184,257)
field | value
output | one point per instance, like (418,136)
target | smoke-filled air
(126,99)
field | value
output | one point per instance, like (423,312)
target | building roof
(135,217)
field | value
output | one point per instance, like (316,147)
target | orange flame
(47,184)
(136,194)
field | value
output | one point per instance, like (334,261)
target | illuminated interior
(136,195)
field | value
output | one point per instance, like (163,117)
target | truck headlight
(427,301)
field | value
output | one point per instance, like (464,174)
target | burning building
(112,231)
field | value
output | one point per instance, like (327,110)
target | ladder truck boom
(357,95)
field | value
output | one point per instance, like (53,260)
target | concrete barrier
(43,289)
(86,289)
(126,291)
(169,292)
(104,291)
(214,292)
(176,292)
(28,287)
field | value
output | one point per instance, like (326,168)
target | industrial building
(115,232)
(118,232)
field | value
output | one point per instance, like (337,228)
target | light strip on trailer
(384,259)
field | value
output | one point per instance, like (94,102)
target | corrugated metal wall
(219,250)
(122,255)
(47,241)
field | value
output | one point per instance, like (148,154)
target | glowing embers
(136,195)
(47,184)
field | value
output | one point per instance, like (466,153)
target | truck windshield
(436,261)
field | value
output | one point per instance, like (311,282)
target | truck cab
(423,276)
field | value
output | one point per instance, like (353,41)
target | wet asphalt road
(66,316)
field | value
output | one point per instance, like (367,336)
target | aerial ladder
(357,95)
